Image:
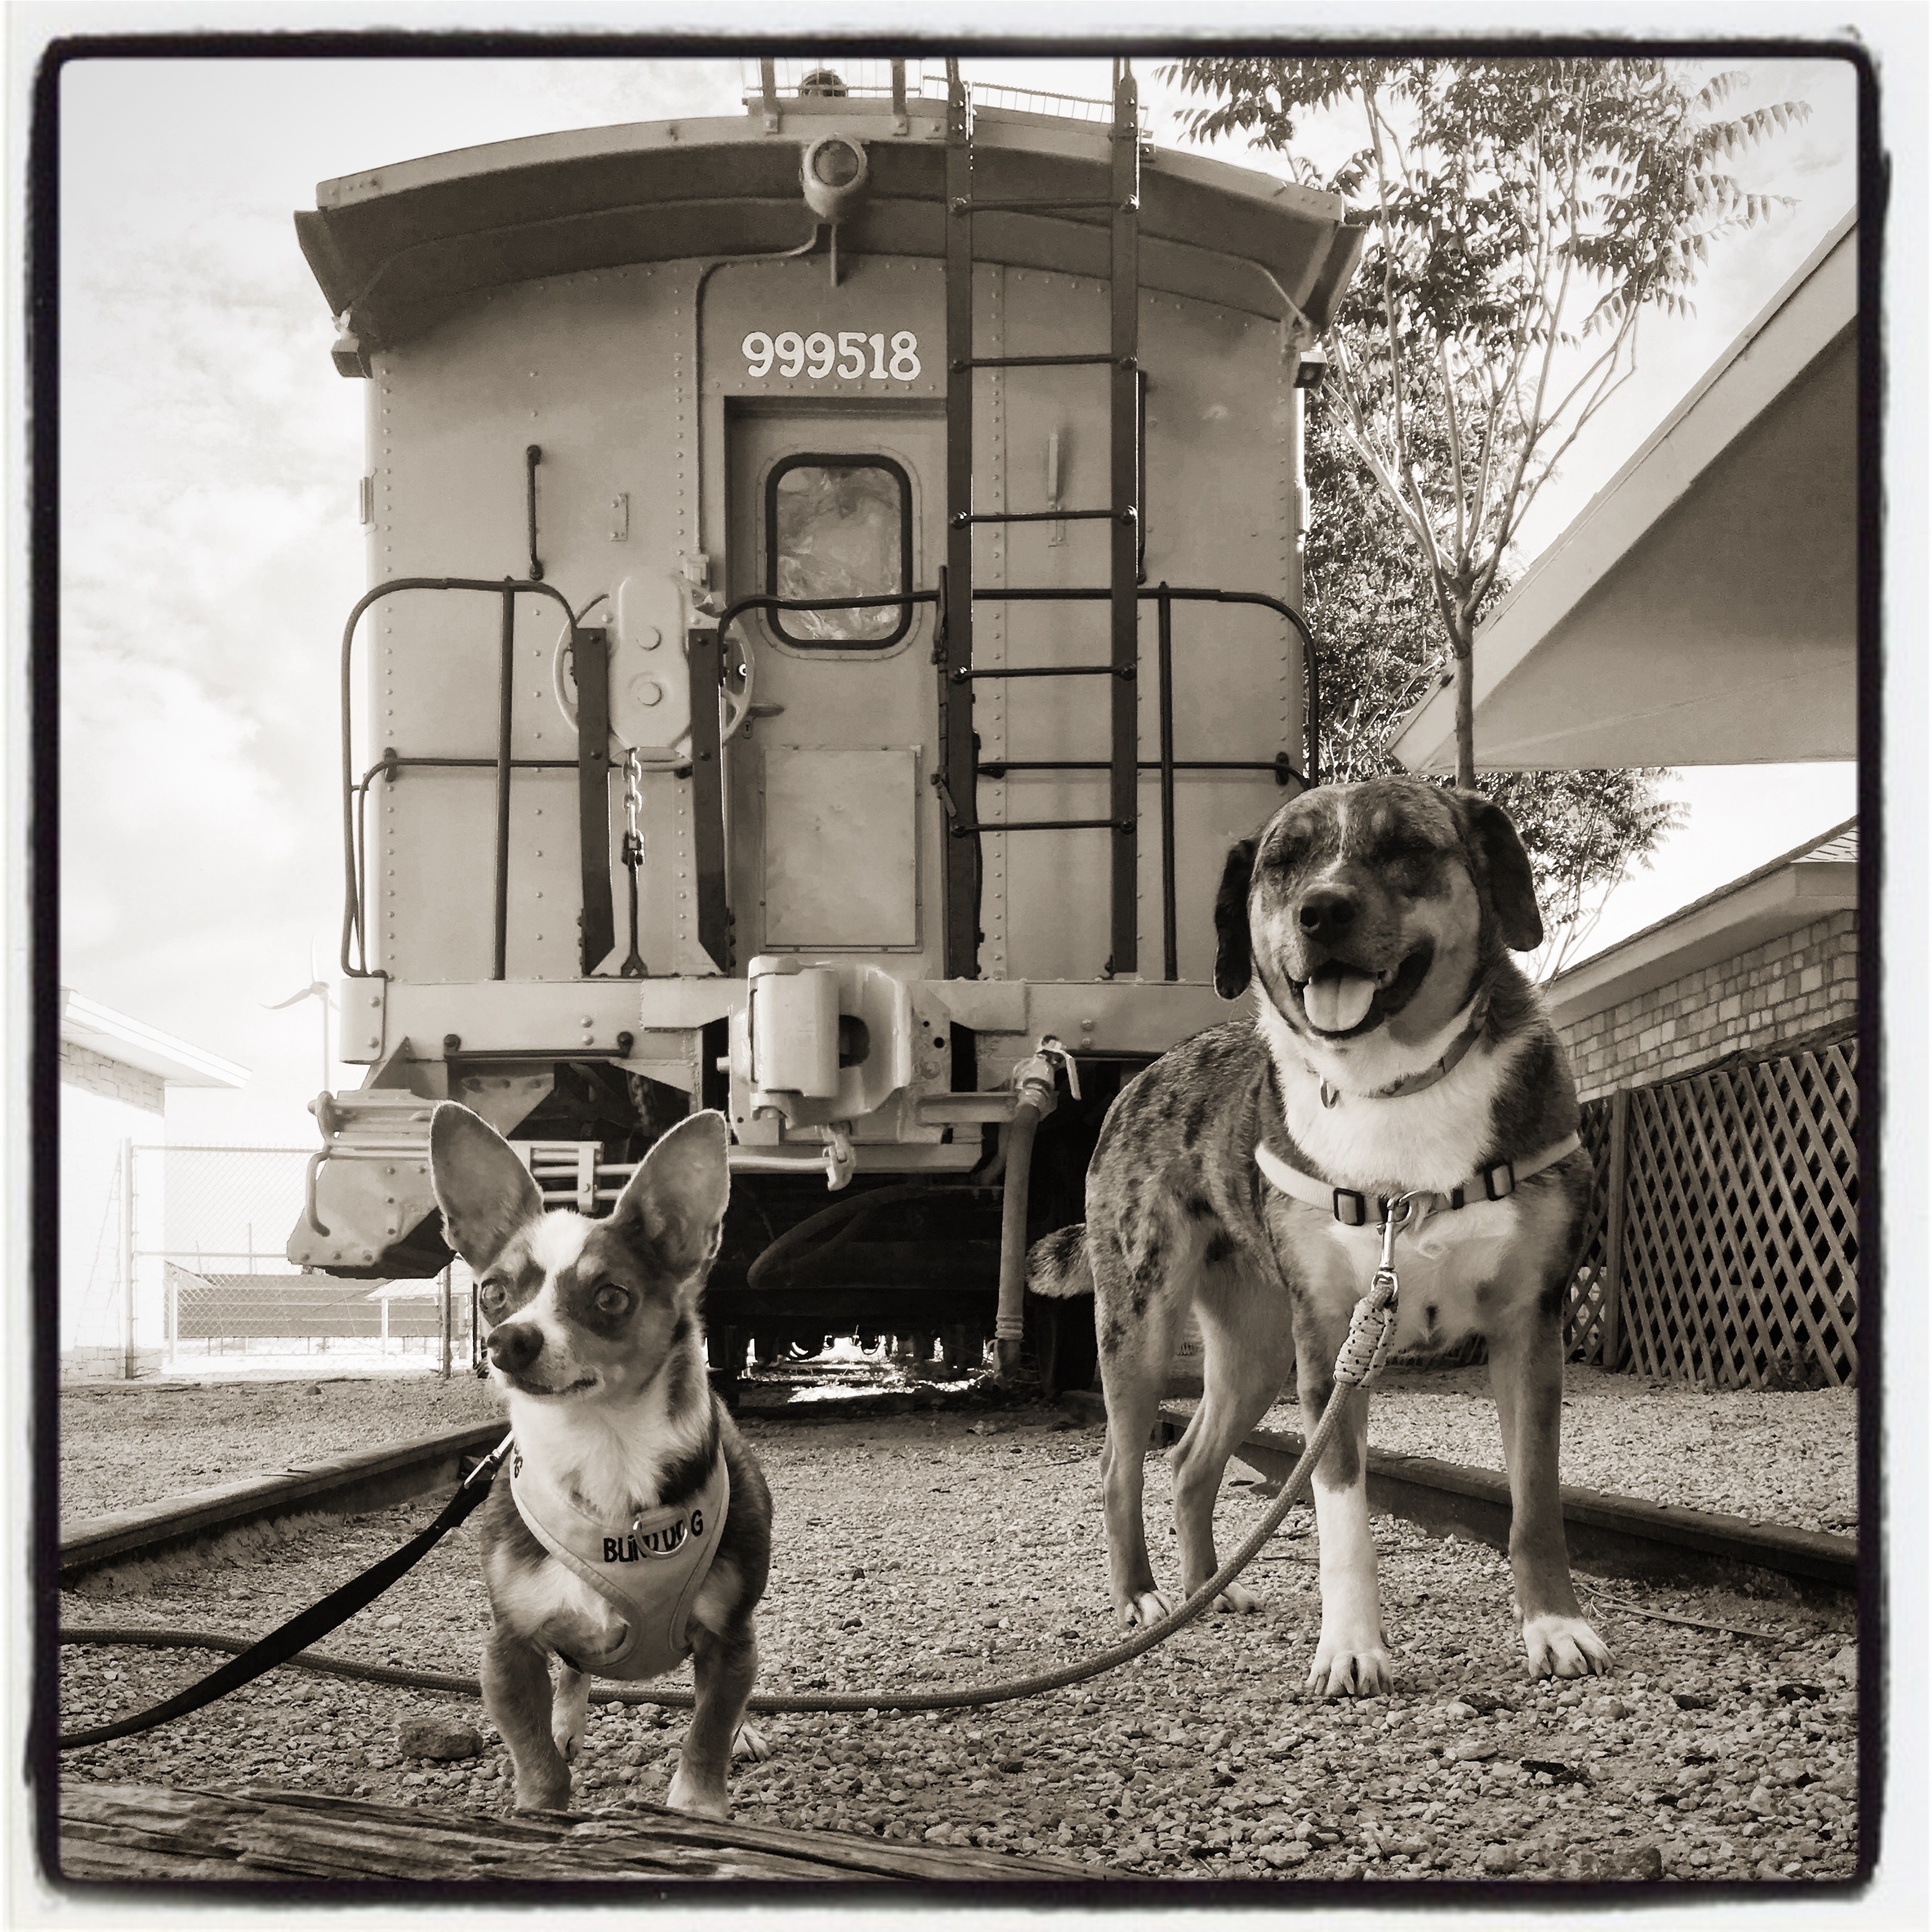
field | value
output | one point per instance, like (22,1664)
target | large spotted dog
(1395,1049)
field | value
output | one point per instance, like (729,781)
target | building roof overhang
(1702,609)
(1819,877)
(85,1022)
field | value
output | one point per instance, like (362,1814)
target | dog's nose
(1325,915)
(513,1345)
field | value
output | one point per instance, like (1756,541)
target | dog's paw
(535,1797)
(1144,1610)
(1235,1601)
(1561,1646)
(1341,1670)
(698,1801)
(751,1743)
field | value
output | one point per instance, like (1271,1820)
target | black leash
(299,1632)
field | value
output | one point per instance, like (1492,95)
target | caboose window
(839,527)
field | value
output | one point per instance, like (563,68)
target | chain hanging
(633,966)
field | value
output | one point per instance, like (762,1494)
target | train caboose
(834,597)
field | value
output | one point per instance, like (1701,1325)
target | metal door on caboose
(833,805)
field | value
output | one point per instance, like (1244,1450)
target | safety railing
(769,84)
(355,793)
(707,671)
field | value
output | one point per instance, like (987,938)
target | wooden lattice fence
(1722,1243)
(1585,1309)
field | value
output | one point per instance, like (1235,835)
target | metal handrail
(508,588)
(1184,594)
(733,612)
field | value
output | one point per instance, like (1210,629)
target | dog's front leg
(516,1694)
(1526,1376)
(724,1665)
(570,1709)
(1248,1360)
(1352,1657)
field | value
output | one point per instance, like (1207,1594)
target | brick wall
(94,1073)
(1779,990)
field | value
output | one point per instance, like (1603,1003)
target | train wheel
(965,1345)
(724,1356)
(1066,1350)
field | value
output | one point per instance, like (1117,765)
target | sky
(211,549)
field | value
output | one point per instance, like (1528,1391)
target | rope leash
(1371,1329)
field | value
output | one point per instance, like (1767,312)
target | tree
(1522,214)
(1373,610)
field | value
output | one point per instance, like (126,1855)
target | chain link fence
(205,1283)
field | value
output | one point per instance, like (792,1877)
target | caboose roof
(397,248)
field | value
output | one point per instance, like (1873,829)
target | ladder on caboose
(957,779)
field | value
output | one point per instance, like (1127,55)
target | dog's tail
(1057,1263)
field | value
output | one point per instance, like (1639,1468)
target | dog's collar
(1351,1206)
(1478,1013)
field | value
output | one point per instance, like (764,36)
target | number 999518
(853,356)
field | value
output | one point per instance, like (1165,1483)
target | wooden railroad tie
(143,1833)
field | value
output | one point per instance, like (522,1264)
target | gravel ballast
(128,1444)
(1788,1458)
(923,1551)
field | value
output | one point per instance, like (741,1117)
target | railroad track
(1605,1532)
(367,1479)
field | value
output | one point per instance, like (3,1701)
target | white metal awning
(1702,609)
(87,1023)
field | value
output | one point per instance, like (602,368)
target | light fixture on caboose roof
(1311,367)
(347,352)
(834,175)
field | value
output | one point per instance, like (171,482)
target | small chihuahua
(636,1527)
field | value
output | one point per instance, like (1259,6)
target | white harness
(649,1567)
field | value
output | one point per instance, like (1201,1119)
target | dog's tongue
(1336,1002)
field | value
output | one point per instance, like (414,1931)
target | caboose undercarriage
(813,774)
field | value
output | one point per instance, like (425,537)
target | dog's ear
(1505,877)
(1233,960)
(674,1203)
(486,1193)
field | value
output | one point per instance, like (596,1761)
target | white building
(115,1073)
